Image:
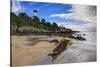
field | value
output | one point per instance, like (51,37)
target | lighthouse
(35,12)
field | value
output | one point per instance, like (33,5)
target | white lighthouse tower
(35,12)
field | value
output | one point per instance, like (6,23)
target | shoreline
(25,54)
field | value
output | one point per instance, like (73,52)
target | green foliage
(14,19)
(36,19)
(55,25)
(23,16)
(24,20)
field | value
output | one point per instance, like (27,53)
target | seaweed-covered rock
(62,46)
(54,41)
(80,38)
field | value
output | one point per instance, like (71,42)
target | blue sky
(45,10)
(78,17)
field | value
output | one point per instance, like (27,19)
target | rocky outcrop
(62,46)
(54,41)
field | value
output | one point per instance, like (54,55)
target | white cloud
(62,15)
(84,27)
(80,12)
(84,12)
(16,7)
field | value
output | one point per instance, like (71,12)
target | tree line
(22,19)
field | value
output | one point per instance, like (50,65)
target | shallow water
(82,51)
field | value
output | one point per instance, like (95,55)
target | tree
(48,25)
(23,15)
(55,26)
(36,19)
(43,21)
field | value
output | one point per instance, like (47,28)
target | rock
(80,38)
(54,41)
(62,46)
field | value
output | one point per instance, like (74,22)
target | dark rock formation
(54,41)
(62,46)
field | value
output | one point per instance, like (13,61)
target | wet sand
(34,50)
(24,54)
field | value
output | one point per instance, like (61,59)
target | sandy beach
(34,50)
(25,54)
